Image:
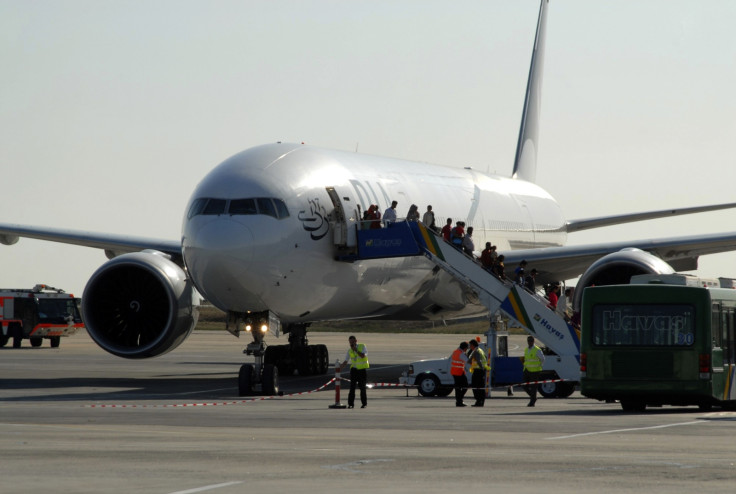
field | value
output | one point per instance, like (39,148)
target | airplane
(261,232)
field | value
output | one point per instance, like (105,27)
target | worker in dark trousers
(358,357)
(478,365)
(458,361)
(533,360)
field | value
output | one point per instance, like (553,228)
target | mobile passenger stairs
(529,310)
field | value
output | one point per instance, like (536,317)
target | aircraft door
(344,218)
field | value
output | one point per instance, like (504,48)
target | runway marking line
(208,487)
(633,429)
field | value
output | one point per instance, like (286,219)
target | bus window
(729,339)
(715,322)
(643,325)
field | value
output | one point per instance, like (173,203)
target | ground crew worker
(358,357)
(533,360)
(478,379)
(458,361)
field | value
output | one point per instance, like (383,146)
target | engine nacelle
(139,305)
(617,268)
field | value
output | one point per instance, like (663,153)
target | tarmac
(76,419)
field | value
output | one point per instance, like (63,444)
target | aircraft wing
(564,263)
(589,223)
(112,244)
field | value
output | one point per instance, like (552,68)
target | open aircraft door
(345,218)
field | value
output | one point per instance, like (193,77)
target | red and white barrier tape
(262,398)
(221,403)
(382,385)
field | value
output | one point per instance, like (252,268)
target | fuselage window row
(259,205)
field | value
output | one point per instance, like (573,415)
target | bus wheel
(633,406)
(36,342)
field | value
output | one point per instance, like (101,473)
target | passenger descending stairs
(529,310)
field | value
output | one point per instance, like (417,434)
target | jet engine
(139,305)
(617,268)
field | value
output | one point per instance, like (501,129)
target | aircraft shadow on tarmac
(169,386)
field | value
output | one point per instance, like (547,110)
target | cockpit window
(265,206)
(215,206)
(197,207)
(259,205)
(243,206)
(281,208)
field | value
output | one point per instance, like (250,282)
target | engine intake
(617,268)
(139,305)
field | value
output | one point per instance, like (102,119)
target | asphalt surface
(76,419)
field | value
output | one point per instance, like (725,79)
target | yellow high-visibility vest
(480,360)
(358,362)
(532,362)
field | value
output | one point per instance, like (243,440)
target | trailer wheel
(17,340)
(36,342)
(4,340)
(428,384)
(55,341)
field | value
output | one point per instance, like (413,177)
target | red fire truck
(38,313)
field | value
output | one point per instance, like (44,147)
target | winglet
(525,163)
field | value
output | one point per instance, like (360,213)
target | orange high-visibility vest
(457,366)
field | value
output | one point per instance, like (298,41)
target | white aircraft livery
(264,233)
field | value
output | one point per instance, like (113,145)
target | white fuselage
(256,262)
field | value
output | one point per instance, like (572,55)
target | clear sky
(112,111)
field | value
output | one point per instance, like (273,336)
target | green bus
(659,344)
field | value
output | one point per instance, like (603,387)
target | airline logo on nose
(315,221)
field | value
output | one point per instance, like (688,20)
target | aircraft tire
(270,380)
(305,361)
(245,380)
(323,359)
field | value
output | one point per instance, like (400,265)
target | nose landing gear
(262,377)
(259,377)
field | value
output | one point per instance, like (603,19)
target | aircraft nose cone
(217,252)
